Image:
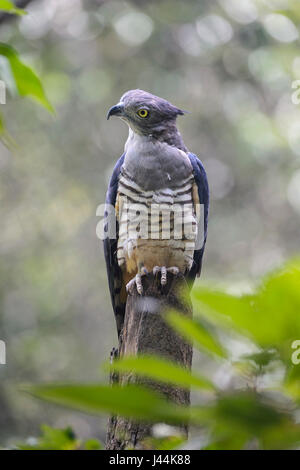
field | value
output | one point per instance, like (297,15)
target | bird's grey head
(145,113)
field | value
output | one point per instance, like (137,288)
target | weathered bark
(145,331)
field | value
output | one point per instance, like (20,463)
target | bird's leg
(164,270)
(137,281)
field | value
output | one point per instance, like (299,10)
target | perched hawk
(156,176)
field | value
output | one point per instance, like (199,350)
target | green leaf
(262,358)
(239,417)
(92,444)
(195,332)
(161,370)
(164,443)
(270,316)
(225,309)
(246,410)
(53,439)
(255,415)
(130,401)
(26,80)
(9,7)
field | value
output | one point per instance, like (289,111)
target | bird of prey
(155,171)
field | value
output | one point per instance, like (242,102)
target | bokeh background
(231,64)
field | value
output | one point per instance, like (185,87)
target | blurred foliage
(26,81)
(22,79)
(130,401)
(163,443)
(59,439)
(231,63)
(260,403)
(9,7)
(160,369)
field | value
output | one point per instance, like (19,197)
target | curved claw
(136,281)
(164,270)
(163,277)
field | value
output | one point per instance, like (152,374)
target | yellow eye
(143,113)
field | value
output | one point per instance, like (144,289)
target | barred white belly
(156,228)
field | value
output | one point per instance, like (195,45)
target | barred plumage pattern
(166,221)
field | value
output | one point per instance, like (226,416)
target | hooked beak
(116,110)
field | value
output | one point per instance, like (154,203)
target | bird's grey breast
(154,165)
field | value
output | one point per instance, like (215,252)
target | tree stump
(145,331)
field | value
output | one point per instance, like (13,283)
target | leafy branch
(234,415)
